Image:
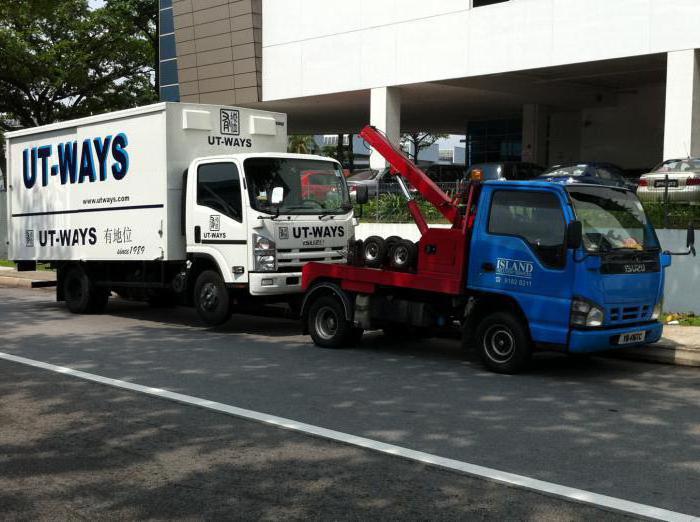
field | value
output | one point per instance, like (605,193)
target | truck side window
(219,188)
(535,217)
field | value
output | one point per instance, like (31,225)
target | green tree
(419,141)
(60,59)
(301,144)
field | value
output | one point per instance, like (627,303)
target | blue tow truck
(526,266)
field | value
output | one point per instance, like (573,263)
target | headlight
(264,252)
(586,313)
(263,243)
(656,313)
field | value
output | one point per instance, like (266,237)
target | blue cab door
(518,248)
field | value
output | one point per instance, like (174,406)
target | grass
(39,266)
(689,319)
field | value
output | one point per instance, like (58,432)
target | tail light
(643,183)
(693,181)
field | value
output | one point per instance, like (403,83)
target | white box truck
(173,202)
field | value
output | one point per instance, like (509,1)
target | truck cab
(582,263)
(260,243)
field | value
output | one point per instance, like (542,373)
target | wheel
(373,251)
(211,298)
(328,326)
(81,295)
(402,255)
(503,343)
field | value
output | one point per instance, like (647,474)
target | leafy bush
(391,208)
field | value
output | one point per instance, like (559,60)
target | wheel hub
(209,297)
(327,323)
(499,344)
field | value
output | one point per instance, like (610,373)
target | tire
(374,251)
(80,293)
(211,298)
(328,326)
(403,255)
(503,343)
(390,241)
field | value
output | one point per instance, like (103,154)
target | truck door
(216,221)
(520,250)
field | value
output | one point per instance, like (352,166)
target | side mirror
(361,195)
(690,239)
(574,235)
(277,196)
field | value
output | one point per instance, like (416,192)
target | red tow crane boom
(416,177)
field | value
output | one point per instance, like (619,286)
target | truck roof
(287,155)
(110,116)
(547,184)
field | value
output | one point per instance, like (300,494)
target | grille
(630,314)
(288,258)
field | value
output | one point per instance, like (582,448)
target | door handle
(488,267)
(197,234)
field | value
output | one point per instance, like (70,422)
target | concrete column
(385,115)
(682,127)
(535,133)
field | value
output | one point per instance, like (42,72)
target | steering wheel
(312,201)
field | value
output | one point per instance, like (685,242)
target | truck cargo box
(108,187)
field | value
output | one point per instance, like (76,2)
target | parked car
(508,170)
(377,182)
(596,173)
(445,173)
(683,181)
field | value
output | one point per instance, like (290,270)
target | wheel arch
(482,305)
(199,263)
(323,288)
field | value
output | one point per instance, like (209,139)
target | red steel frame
(442,253)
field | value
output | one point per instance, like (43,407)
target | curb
(19,282)
(661,353)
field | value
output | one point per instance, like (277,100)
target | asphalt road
(74,450)
(625,429)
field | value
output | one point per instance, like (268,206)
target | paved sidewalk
(39,279)
(680,345)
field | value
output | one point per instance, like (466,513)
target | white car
(682,177)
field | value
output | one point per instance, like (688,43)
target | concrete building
(542,80)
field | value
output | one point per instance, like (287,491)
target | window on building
(536,217)
(481,3)
(219,188)
(494,140)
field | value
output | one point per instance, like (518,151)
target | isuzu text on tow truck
(172,203)
(525,266)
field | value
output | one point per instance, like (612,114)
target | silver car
(682,177)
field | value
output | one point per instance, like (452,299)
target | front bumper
(274,283)
(589,341)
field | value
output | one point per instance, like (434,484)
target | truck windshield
(310,186)
(613,219)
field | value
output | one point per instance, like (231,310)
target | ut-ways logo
(92,160)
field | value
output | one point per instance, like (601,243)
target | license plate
(632,337)
(671,184)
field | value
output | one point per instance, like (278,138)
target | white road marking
(495,475)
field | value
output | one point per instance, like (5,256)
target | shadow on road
(72,449)
(603,425)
